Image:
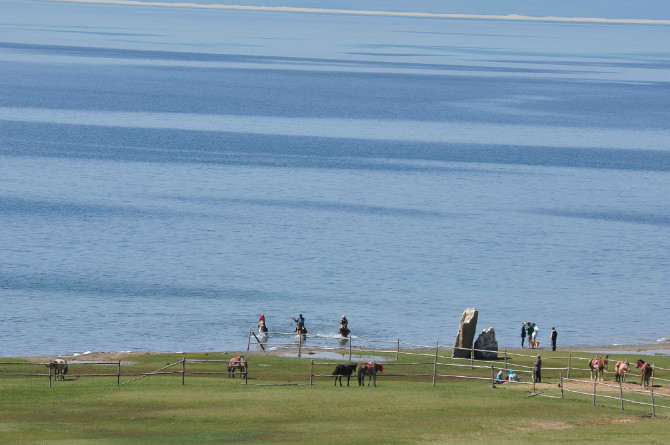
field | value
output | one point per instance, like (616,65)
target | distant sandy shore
(379,13)
(645,349)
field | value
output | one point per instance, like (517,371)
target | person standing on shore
(529,333)
(523,333)
(554,334)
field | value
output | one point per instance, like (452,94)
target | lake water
(167,174)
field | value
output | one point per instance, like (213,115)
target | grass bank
(278,406)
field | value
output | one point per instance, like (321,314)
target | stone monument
(487,341)
(466,334)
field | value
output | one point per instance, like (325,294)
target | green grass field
(278,406)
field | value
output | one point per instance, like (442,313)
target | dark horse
(344,330)
(342,370)
(645,373)
(239,362)
(370,369)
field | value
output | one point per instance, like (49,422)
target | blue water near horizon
(167,174)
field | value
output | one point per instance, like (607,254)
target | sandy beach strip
(376,13)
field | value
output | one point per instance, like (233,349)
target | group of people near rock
(300,325)
(531,331)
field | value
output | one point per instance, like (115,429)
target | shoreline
(508,17)
(641,348)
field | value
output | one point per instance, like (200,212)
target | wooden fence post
(183,370)
(349,349)
(493,381)
(569,360)
(472,358)
(118,374)
(561,385)
(49,376)
(653,365)
(621,394)
(435,365)
(505,359)
(299,344)
(653,408)
(533,377)
(311,371)
(594,391)
(249,339)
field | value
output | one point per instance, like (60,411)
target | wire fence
(85,369)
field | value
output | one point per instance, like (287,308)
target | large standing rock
(487,341)
(466,334)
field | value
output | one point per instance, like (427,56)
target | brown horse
(645,373)
(344,330)
(620,370)
(239,362)
(598,366)
(370,369)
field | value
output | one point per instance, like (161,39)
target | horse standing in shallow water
(370,369)
(620,370)
(598,366)
(645,373)
(239,362)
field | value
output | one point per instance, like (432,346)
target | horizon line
(364,12)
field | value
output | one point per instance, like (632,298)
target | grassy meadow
(279,406)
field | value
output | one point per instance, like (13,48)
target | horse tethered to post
(620,370)
(646,371)
(239,362)
(59,367)
(598,366)
(370,369)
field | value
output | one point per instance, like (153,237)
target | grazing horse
(342,370)
(239,362)
(370,369)
(598,366)
(59,366)
(620,370)
(645,373)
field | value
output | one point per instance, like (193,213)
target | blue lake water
(167,174)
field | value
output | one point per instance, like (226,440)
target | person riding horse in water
(344,329)
(262,327)
(300,324)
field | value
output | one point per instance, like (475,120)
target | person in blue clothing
(300,324)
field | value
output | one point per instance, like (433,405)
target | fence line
(119,374)
(621,393)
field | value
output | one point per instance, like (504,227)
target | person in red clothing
(261,324)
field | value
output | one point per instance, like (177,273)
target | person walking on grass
(537,370)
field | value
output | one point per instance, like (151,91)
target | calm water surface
(167,174)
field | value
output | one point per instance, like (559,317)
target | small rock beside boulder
(487,341)
(466,334)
